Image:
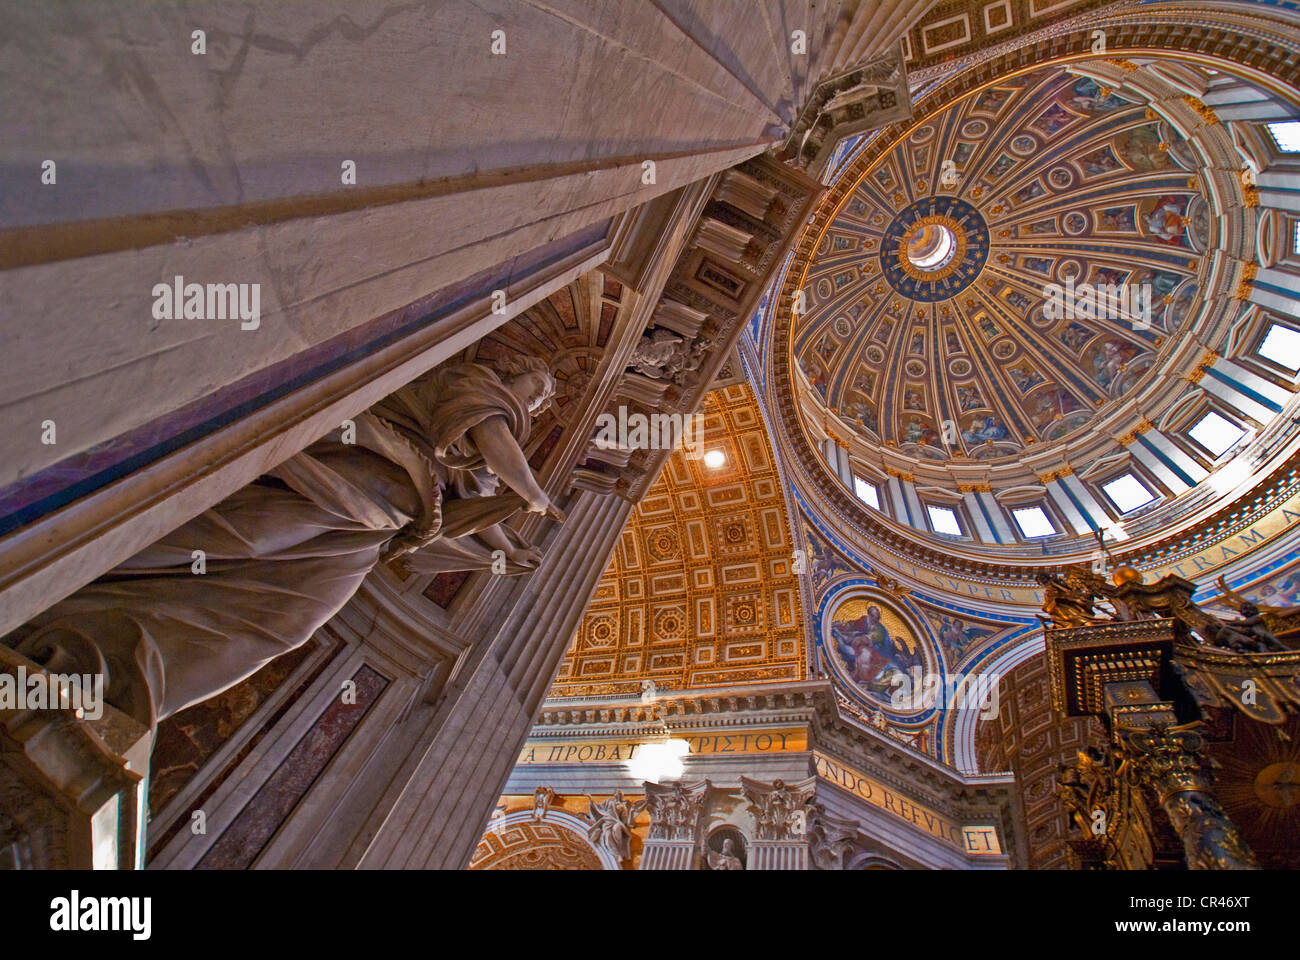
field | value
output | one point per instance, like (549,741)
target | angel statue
(1257,630)
(662,355)
(420,477)
(611,822)
(653,356)
(1069,601)
(1075,797)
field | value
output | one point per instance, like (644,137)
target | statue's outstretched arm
(501,452)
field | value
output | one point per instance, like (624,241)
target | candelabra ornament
(1161,674)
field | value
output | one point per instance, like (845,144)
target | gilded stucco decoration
(701,590)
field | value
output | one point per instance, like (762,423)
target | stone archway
(558,841)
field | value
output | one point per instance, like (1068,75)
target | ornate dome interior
(986,357)
(1007,307)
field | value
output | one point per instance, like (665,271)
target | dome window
(1215,433)
(944,521)
(1282,346)
(867,492)
(1286,134)
(1127,493)
(1033,522)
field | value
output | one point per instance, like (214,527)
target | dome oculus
(934,249)
(930,247)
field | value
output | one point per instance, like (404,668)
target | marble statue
(543,797)
(662,355)
(727,859)
(649,692)
(611,822)
(421,479)
(654,353)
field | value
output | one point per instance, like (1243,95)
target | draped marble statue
(421,479)
(611,823)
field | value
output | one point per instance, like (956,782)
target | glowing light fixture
(655,761)
(714,459)
(931,248)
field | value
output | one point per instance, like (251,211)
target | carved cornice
(712,707)
(726,289)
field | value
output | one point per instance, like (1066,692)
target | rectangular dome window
(867,493)
(1033,522)
(1282,346)
(1215,433)
(1286,134)
(944,520)
(1127,493)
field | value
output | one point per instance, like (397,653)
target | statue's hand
(526,557)
(544,506)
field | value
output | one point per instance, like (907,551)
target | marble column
(375,175)
(779,855)
(443,805)
(667,854)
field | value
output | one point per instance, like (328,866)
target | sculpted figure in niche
(424,478)
(543,797)
(727,859)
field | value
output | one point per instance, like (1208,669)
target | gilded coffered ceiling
(700,591)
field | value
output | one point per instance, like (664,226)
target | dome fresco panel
(1058,179)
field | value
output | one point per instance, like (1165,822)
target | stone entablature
(901,803)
